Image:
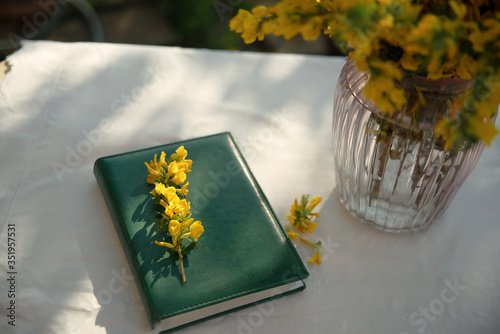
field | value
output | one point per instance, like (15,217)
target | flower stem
(178,249)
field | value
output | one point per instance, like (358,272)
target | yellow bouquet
(396,39)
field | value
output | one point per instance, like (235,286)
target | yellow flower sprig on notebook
(169,178)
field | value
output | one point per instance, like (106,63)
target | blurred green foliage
(204,23)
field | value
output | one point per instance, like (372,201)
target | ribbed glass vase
(394,173)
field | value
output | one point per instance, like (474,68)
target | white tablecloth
(64,105)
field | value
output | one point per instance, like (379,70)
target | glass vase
(393,172)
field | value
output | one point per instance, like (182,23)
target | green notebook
(243,257)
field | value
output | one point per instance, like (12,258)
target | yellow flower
(172,199)
(159,189)
(186,223)
(307,242)
(162,162)
(311,30)
(387,22)
(154,170)
(259,11)
(185,165)
(486,131)
(151,179)
(291,234)
(157,169)
(442,129)
(250,31)
(177,171)
(387,68)
(486,109)
(360,60)
(311,226)
(409,63)
(460,9)
(174,227)
(180,154)
(183,190)
(434,68)
(312,204)
(182,208)
(179,177)
(382,91)
(301,214)
(316,257)
(269,26)
(236,23)
(171,195)
(195,230)
(466,67)
(169,208)
(163,203)
(165,244)
(173,168)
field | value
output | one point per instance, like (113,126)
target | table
(64,105)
